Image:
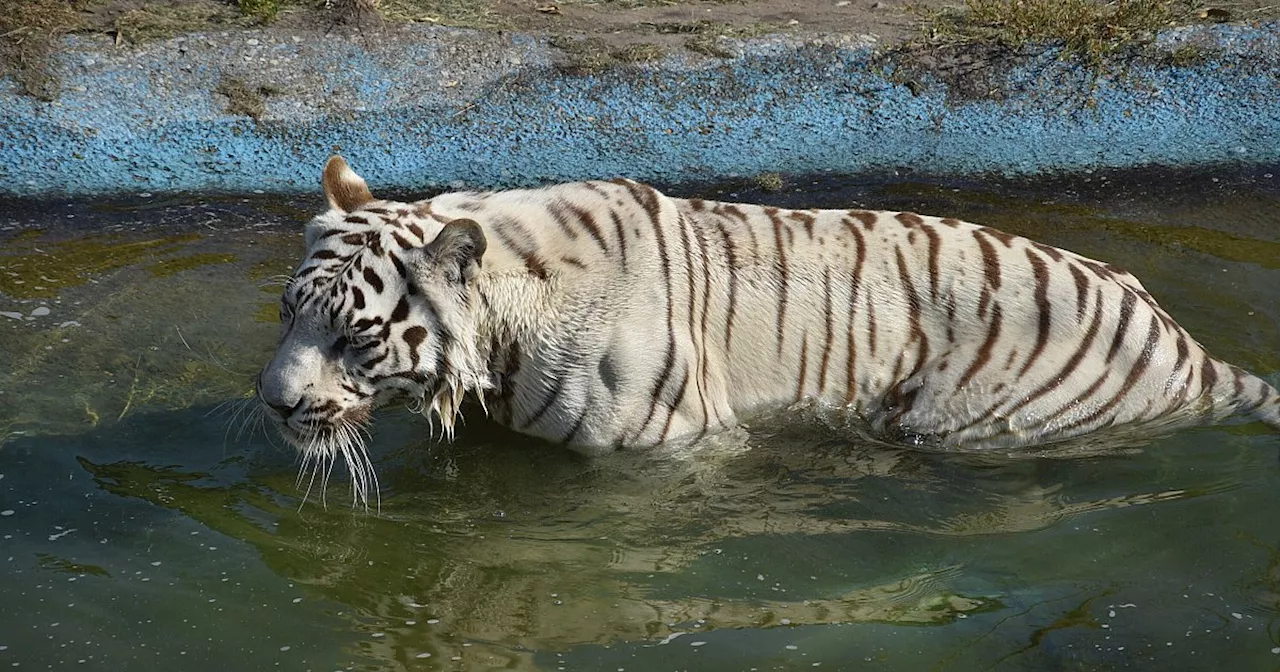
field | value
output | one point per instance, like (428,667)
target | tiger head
(378,310)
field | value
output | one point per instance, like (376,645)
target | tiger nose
(284,410)
(274,399)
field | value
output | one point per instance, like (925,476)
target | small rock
(40,312)
(252,42)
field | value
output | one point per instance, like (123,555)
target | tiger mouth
(301,438)
(316,434)
(324,444)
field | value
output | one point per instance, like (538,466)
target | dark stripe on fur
(622,237)
(1144,359)
(1126,314)
(1044,310)
(1082,291)
(1072,364)
(783,275)
(731,258)
(649,202)
(984,350)
(827,339)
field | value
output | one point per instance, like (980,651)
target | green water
(143,527)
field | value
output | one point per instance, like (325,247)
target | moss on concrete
(245,99)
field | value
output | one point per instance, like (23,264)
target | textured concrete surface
(417,107)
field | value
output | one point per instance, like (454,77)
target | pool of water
(144,524)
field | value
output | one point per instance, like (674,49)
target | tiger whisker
(246,412)
(311,454)
(356,491)
(281,280)
(213,359)
(371,474)
(368,478)
(327,461)
(224,406)
(254,417)
(232,409)
(305,461)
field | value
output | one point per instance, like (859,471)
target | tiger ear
(345,190)
(456,251)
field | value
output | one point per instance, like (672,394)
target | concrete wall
(415,107)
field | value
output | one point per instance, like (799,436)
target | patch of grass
(639,52)
(705,35)
(717,29)
(27,32)
(243,99)
(707,45)
(586,56)
(353,12)
(1090,29)
(160,22)
(591,55)
(1185,56)
(262,10)
(479,14)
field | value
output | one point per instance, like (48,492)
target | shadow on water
(150,533)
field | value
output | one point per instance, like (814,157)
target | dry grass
(1091,29)
(353,12)
(478,14)
(704,36)
(262,10)
(639,52)
(159,21)
(585,56)
(592,55)
(243,99)
(27,32)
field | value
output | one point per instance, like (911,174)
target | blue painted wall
(147,120)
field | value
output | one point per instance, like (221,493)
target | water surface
(142,526)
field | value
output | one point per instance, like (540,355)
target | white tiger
(606,315)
